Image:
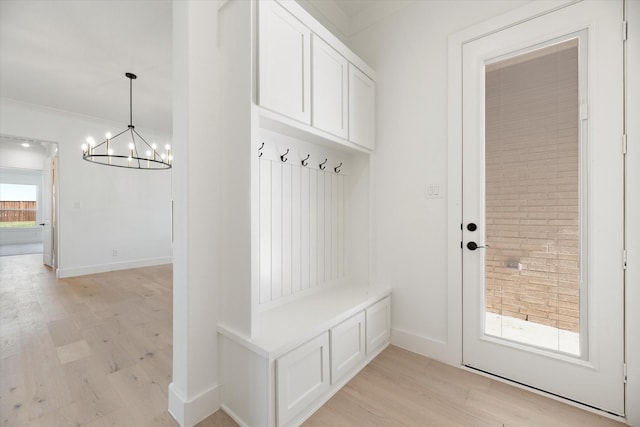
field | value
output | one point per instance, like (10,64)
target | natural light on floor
(531,333)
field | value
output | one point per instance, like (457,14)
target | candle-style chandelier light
(137,154)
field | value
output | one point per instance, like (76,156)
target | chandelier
(137,154)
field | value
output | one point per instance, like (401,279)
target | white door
(543,204)
(47,209)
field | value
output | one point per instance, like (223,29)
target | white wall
(14,156)
(408,50)
(193,393)
(101,209)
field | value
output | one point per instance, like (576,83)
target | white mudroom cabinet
(302,314)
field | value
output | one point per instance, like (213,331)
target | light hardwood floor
(96,351)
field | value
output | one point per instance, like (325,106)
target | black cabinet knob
(472,226)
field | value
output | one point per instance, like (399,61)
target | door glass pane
(532,198)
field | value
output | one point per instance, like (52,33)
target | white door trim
(454,156)
(454,182)
(632,297)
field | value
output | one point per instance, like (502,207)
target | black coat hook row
(260,150)
(322,165)
(283,158)
(304,161)
(337,168)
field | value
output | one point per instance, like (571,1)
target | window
(18,205)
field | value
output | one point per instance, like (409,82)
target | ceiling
(71,55)
(21,144)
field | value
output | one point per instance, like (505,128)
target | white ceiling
(71,55)
(17,144)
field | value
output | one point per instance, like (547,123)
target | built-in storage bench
(301,313)
(305,352)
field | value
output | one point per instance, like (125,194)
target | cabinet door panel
(284,58)
(302,376)
(329,89)
(361,108)
(347,346)
(378,324)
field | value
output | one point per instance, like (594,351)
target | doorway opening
(558,196)
(28,198)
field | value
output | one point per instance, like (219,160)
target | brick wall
(532,187)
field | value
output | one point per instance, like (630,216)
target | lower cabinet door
(378,324)
(347,346)
(302,376)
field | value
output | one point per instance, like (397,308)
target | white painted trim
(233,415)
(454,157)
(632,299)
(454,187)
(190,412)
(509,19)
(430,347)
(103,268)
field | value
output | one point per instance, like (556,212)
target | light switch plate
(433,191)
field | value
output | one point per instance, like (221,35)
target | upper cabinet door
(361,108)
(329,89)
(284,46)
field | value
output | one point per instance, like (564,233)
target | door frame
(52,149)
(454,202)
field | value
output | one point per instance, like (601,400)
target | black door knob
(472,226)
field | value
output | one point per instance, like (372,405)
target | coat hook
(283,158)
(304,161)
(322,166)
(260,150)
(337,168)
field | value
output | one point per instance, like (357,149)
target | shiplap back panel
(302,228)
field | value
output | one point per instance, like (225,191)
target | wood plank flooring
(87,351)
(400,388)
(96,351)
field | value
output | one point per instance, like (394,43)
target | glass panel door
(543,204)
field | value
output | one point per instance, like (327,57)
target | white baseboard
(233,415)
(429,347)
(104,268)
(190,412)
